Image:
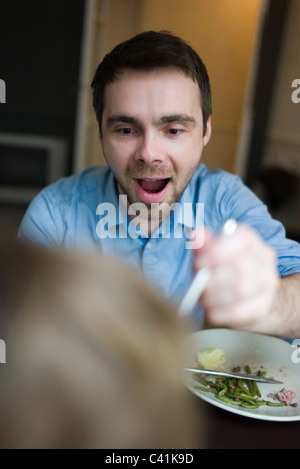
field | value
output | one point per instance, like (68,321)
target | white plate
(255,350)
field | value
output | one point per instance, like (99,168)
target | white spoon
(201,278)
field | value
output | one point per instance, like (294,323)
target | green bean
(241,385)
(275,404)
(256,388)
(229,400)
(252,385)
(201,380)
(246,398)
(202,388)
(222,392)
(238,392)
(249,406)
(236,402)
(219,384)
(223,398)
(261,373)
(251,388)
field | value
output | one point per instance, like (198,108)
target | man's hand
(243,283)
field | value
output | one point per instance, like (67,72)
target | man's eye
(175,131)
(125,131)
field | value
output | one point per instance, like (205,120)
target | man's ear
(207,135)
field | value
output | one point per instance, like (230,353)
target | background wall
(222,32)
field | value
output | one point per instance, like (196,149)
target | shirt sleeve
(42,224)
(239,202)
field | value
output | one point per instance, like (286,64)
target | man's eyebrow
(168,119)
(116,119)
(182,118)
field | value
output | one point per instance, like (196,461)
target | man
(153,105)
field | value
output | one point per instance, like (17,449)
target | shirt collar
(186,212)
(111,196)
(192,212)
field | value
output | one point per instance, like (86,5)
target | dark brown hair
(147,51)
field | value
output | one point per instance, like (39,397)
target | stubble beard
(162,209)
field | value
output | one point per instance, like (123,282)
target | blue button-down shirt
(83,212)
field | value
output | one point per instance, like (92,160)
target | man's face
(152,133)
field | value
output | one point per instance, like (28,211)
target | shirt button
(149,245)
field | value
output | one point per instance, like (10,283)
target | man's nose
(150,149)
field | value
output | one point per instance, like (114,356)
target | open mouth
(151,189)
(152,186)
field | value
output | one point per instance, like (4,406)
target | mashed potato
(212,359)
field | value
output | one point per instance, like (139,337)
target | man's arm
(286,306)
(245,291)
(41,225)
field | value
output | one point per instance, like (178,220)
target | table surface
(227,430)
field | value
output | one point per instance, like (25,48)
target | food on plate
(212,359)
(285,396)
(243,393)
